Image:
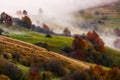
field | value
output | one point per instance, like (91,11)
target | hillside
(55,44)
(79,40)
(17,49)
(29,50)
(100,18)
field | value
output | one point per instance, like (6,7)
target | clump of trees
(54,66)
(26,22)
(46,69)
(5,18)
(96,73)
(90,47)
(66,32)
(79,47)
(46,30)
(10,70)
(45,27)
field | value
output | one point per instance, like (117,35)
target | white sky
(49,6)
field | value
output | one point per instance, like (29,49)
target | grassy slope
(114,55)
(57,42)
(61,42)
(27,51)
(33,37)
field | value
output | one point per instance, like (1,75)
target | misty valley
(60,40)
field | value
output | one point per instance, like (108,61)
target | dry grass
(30,50)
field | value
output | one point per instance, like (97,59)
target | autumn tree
(25,13)
(5,18)
(79,45)
(26,21)
(96,41)
(46,27)
(66,32)
(113,74)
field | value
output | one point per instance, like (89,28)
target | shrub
(46,75)
(3,77)
(96,73)
(7,56)
(16,56)
(24,60)
(100,59)
(67,49)
(113,74)
(55,66)
(48,35)
(10,69)
(81,75)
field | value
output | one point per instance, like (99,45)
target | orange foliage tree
(79,45)
(27,21)
(96,41)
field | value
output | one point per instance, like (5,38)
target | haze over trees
(66,32)
(5,18)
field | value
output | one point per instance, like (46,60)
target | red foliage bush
(33,74)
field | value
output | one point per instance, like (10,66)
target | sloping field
(29,50)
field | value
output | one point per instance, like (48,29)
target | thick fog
(49,6)
(54,11)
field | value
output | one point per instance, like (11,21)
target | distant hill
(106,16)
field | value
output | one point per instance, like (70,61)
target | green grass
(114,55)
(23,68)
(25,71)
(60,42)
(34,37)
(56,43)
